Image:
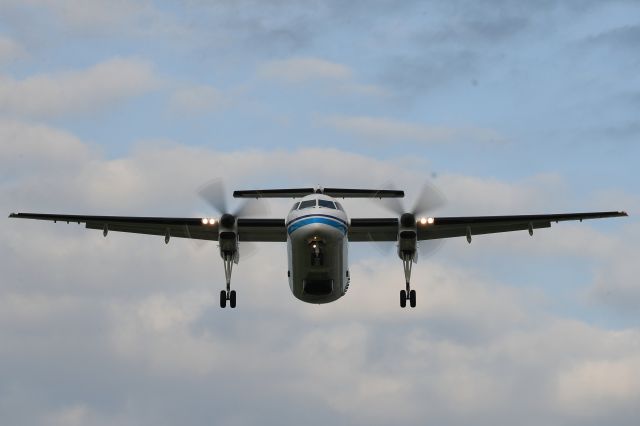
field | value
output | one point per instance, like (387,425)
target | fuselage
(317,247)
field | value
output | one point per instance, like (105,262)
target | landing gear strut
(407,294)
(228,294)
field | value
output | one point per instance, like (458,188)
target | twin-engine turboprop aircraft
(317,231)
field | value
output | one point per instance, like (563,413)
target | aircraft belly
(317,277)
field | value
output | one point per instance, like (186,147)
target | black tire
(412,298)
(403,298)
(223,299)
(232,299)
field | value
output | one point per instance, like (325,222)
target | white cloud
(299,70)
(101,13)
(616,283)
(76,415)
(77,91)
(331,77)
(94,17)
(156,334)
(591,386)
(26,147)
(9,50)
(141,316)
(199,99)
(378,130)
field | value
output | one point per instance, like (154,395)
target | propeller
(429,199)
(214,194)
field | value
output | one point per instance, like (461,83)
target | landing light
(430,220)
(423,221)
(426,220)
(205,221)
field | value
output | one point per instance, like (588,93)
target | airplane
(318,231)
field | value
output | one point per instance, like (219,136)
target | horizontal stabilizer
(332,192)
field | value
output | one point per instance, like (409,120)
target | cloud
(616,283)
(89,18)
(627,36)
(9,50)
(418,74)
(593,385)
(381,129)
(94,13)
(299,70)
(475,29)
(73,92)
(199,99)
(126,322)
(331,77)
(25,148)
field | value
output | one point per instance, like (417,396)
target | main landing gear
(407,294)
(228,294)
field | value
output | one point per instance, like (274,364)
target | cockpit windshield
(326,203)
(307,204)
(295,206)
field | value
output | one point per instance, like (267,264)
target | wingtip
(13,215)
(623,213)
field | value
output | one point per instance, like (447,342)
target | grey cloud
(628,131)
(627,36)
(415,75)
(472,38)
(473,30)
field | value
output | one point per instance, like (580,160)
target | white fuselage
(317,249)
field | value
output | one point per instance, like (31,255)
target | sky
(507,107)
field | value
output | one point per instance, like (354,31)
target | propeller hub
(228,220)
(408,220)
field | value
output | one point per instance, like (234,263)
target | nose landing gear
(317,252)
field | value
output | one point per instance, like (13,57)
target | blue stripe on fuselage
(317,215)
(325,220)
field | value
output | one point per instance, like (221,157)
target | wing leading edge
(248,229)
(360,229)
(386,229)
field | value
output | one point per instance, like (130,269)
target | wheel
(412,298)
(232,299)
(403,298)
(223,299)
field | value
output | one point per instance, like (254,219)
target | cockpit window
(339,206)
(307,204)
(327,204)
(295,206)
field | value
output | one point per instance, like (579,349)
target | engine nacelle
(228,238)
(408,237)
(407,243)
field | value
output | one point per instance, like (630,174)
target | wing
(373,229)
(386,229)
(248,229)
